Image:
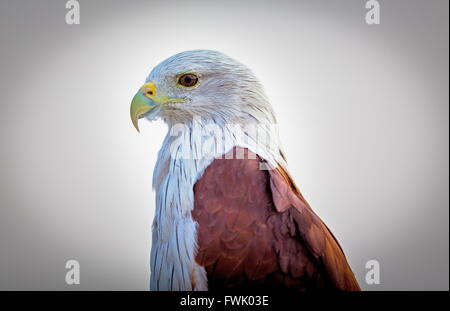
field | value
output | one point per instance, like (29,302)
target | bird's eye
(188,80)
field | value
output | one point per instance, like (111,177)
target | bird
(228,214)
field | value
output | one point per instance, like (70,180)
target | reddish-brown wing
(255,230)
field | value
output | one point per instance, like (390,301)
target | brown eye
(188,80)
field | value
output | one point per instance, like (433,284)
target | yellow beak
(147,99)
(140,105)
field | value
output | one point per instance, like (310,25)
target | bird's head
(202,83)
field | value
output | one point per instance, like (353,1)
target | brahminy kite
(228,214)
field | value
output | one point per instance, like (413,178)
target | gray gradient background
(363,113)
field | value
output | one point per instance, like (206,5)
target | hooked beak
(142,103)
(147,99)
(139,107)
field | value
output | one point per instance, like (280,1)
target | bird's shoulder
(256,229)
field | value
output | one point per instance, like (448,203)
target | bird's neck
(186,152)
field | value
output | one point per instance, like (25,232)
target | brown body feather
(255,230)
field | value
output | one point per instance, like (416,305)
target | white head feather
(227,92)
